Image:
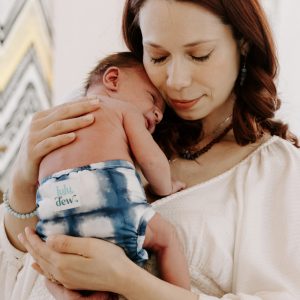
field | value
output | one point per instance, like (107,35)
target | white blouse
(240,231)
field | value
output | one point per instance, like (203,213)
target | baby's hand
(177,186)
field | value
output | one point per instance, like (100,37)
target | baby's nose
(158,115)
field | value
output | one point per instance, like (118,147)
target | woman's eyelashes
(201,58)
(157,60)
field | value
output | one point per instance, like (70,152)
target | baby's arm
(161,237)
(152,161)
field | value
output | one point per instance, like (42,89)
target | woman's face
(191,57)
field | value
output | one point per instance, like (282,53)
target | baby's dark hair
(120,59)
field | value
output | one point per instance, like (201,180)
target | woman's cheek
(155,74)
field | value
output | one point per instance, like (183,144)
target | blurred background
(48,46)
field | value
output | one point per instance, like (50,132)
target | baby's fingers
(178,186)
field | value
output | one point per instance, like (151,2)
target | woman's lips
(184,104)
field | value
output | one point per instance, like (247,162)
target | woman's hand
(93,264)
(49,130)
(78,263)
(60,292)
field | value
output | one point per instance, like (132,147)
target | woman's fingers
(52,143)
(60,292)
(77,263)
(72,109)
(65,126)
(69,244)
(63,119)
(55,127)
(37,267)
(50,130)
(37,249)
(53,121)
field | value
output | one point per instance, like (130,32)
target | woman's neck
(219,119)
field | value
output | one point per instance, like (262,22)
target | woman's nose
(178,75)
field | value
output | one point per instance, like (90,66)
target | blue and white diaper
(104,200)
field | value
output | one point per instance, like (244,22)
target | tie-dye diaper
(104,200)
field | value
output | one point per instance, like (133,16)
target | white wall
(86,30)
(287,34)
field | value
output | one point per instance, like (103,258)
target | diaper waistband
(117,163)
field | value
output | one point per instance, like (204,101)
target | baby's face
(137,89)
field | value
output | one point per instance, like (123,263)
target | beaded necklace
(192,155)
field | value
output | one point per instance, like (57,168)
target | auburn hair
(121,60)
(256,100)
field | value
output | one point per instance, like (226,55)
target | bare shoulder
(131,114)
(111,106)
(127,107)
(123,107)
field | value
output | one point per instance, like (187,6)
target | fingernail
(20,237)
(27,230)
(94,102)
(71,135)
(88,117)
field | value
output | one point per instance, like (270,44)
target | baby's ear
(111,78)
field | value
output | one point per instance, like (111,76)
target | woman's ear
(111,78)
(244,47)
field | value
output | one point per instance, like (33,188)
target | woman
(214,63)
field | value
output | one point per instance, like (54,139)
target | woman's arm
(93,264)
(104,266)
(49,130)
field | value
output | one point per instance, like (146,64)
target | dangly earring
(243,73)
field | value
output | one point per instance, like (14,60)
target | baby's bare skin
(104,140)
(161,237)
(122,130)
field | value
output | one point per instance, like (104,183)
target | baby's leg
(161,237)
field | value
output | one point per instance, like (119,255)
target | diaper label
(66,195)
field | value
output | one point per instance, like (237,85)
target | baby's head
(123,77)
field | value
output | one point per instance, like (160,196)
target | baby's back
(104,140)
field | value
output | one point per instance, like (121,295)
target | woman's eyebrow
(188,45)
(148,43)
(197,43)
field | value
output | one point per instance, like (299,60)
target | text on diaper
(66,197)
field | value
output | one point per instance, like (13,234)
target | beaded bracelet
(13,212)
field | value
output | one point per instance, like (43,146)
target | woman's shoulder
(277,149)
(274,154)
(269,150)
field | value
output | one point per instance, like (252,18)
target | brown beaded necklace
(192,155)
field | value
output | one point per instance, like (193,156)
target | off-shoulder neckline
(245,160)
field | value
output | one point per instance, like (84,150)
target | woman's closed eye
(200,58)
(157,60)
(160,59)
